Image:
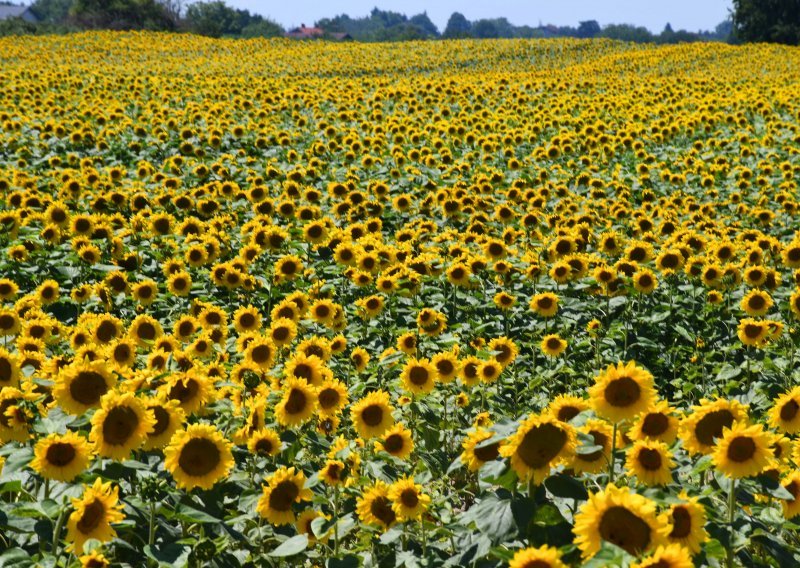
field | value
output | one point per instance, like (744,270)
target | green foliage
(458,26)
(775,21)
(120,15)
(216,19)
(382,25)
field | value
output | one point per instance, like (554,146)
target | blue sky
(691,15)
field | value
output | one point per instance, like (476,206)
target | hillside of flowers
(466,303)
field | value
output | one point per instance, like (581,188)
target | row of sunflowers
(464,303)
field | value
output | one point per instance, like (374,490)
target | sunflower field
(457,303)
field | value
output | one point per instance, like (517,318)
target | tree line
(751,20)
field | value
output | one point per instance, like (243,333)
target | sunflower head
(198,456)
(622,391)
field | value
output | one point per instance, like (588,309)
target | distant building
(305,33)
(24,12)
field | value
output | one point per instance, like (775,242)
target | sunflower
(447,366)
(122,354)
(396,441)
(785,413)
(61,456)
(179,283)
(334,473)
(753,333)
(308,367)
(282,332)
(145,330)
(743,451)
(372,415)
(478,450)
(656,423)
(192,389)
(596,459)
(94,560)
(93,514)
(541,557)
(260,351)
(651,462)
(686,522)
(756,303)
(408,500)
(145,292)
(169,418)
(304,525)
(791,507)
(469,371)
(565,407)
(539,443)
(9,369)
(298,403)
(407,343)
(374,507)
(644,281)
(552,345)
(701,427)
(670,556)
(332,397)
(120,425)
(288,268)
(323,312)
(622,391)
(81,385)
(283,488)
(198,456)
(622,518)
(264,442)
(360,358)
(545,304)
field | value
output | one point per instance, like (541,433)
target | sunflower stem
(335,521)
(613,451)
(57,530)
(151,533)
(46,488)
(731,516)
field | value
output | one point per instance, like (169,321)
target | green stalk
(611,464)
(731,516)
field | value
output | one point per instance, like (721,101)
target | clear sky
(692,15)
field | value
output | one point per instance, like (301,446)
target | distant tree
(213,19)
(589,28)
(494,28)
(424,23)
(724,30)
(458,26)
(51,11)
(120,14)
(263,28)
(775,21)
(627,32)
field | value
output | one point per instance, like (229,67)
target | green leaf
(171,554)
(184,512)
(770,486)
(291,546)
(15,557)
(349,561)
(493,517)
(566,487)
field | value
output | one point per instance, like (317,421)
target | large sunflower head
(93,514)
(700,429)
(198,456)
(396,441)
(686,523)
(120,425)
(192,389)
(408,500)
(61,457)
(169,418)
(298,403)
(81,385)
(744,451)
(447,366)
(545,304)
(656,423)
(332,397)
(372,415)
(374,506)
(418,376)
(540,557)
(539,443)
(9,369)
(283,488)
(791,507)
(264,442)
(478,449)
(620,517)
(622,391)
(566,407)
(650,461)
(597,459)
(785,413)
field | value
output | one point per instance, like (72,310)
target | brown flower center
(621,527)
(650,459)
(119,425)
(328,398)
(88,387)
(788,410)
(418,376)
(622,392)
(162,421)
(741,449)
(199,456)
(711,425)
(487,453)
(381,509)
(409,498)
(372,415)
(655,424)
(681,523)
(283,495)
(541,444)
(60,454)
(92,516)
(296,402)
